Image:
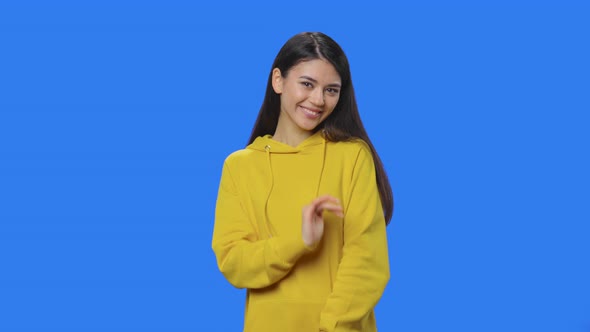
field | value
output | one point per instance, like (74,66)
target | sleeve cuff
(327,324)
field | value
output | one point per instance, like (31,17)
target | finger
(325,198)
(334,208)
(329,206)
(308,212)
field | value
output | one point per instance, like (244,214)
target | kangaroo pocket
(282,315)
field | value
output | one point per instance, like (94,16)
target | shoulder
(231,164)
(248,154)
(354,157)
(352,149)
(237,156)
(241,160)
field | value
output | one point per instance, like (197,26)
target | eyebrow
(335,85)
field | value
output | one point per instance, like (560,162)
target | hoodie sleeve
(244,260)
(363,272)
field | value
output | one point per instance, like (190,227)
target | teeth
(310,112)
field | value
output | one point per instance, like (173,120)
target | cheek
(293,95)
(333,102)
(299,95)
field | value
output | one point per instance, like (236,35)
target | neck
(292,140)
(290,135)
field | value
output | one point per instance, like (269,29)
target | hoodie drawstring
(317,191)
(267,225)
(266,222)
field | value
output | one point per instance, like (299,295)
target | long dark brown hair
(344,124)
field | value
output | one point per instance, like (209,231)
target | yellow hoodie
(257,240)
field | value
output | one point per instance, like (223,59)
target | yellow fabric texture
(335,285)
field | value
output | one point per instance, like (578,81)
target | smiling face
(309,93)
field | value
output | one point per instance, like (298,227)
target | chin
(308,126)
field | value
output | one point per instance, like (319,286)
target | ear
(277,81)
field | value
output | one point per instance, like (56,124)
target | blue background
(115,119)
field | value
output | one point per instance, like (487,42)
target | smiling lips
(311,113)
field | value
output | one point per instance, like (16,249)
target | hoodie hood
(266,142)
(269,146)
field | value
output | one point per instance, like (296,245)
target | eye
(307,84)
(332,91)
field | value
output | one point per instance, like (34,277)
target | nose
(317,97)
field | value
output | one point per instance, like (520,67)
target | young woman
(301,212)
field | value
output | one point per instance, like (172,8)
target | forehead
(318,69)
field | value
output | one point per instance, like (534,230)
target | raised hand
(312,220)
